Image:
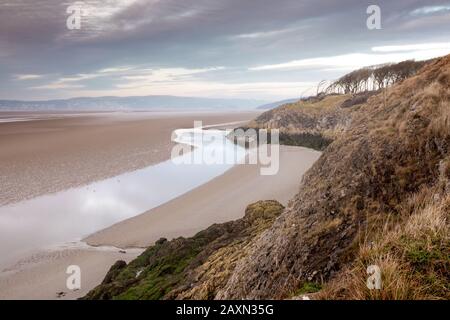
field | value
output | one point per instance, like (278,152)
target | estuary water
(75,213)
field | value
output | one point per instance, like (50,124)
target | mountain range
(276,104)
(130,103)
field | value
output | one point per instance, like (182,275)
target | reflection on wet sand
(72,214)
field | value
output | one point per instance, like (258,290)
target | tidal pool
(72,214)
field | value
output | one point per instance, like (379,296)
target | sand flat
(221,199)
(42,276)
(49,155)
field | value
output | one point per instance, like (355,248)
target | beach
(61,151)
(42,273)
(221,199)
(42,276)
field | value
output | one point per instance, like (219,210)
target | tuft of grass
(414,257)
(308,287)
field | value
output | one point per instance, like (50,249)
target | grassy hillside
(392,158)
(314,115)
(193,268)
(379,195)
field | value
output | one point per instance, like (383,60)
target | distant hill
(276,104)
(131,103)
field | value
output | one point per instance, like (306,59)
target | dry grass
(414,256)
(440,126)
(316,108)
(393,146)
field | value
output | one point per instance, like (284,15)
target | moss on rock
(169,269)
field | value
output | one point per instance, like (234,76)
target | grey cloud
(238,34)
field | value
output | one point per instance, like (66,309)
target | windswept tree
(375,77)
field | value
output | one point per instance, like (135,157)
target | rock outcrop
(192,268)
(397,143)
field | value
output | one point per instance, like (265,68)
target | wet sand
(38,157)
(220,200)
(42,276)
(57,152)
(43,152)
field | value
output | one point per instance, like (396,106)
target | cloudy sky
(258,49)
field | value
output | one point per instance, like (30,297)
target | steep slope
(397,144)
(378,195)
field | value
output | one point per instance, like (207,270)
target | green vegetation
(307,140)
(413,254)
(378,195)
(168,268)
(308,287)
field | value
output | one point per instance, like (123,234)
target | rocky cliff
(396,145)
(193,268)
(312,122)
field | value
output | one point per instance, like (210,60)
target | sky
(256,49)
